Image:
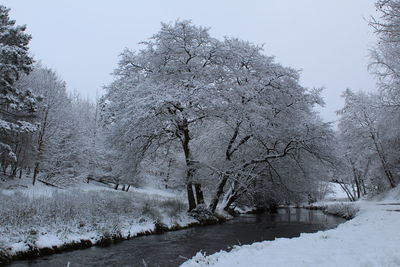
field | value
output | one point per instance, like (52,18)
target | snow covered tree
(385,56)
(208,96)
(169,86)
(71,145)
(362,132)
(16,106)
(61,146)
(370,122)
(386,66)
(51,114)
(267,116)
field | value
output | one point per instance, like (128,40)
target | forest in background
(218,119)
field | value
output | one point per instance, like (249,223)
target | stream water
(173,248)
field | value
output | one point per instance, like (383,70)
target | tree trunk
(230,150)
(356,176)
(127,189)
(229,202)
(199,194)
(220,191)
(35,173)
(358,187)
(190,195)
(346,190)
(363,187)
(40,147)
(4,165)
(184,135)
(14,165)
(231,196)
(14,171)
(167,177)
(382,158)
(116,186)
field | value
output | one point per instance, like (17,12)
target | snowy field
(371,239)
(42,217)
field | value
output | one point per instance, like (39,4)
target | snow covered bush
(344,210)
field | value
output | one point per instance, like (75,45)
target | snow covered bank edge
(53,246)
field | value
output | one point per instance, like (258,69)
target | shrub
(105,212)
(344,210)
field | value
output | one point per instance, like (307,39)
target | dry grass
(23,217)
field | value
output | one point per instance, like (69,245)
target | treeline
(54,138)
(44,131)
(216,118)
(370,122)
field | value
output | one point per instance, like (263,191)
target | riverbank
(41,221)
(371,238)
(175,247)
(345,210)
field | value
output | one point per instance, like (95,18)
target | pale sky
(327,39)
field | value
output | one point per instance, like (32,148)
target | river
(173,248)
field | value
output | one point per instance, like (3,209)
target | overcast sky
(327,39)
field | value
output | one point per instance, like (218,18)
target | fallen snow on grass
(372,238)
(153,191)
(344,209)
(36,218)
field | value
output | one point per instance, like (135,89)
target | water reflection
(173,248)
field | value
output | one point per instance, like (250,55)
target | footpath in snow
(371,239)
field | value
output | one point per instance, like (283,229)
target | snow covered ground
(336,192)
(371,239)
(40,217)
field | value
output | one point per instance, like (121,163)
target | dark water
(173,248)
